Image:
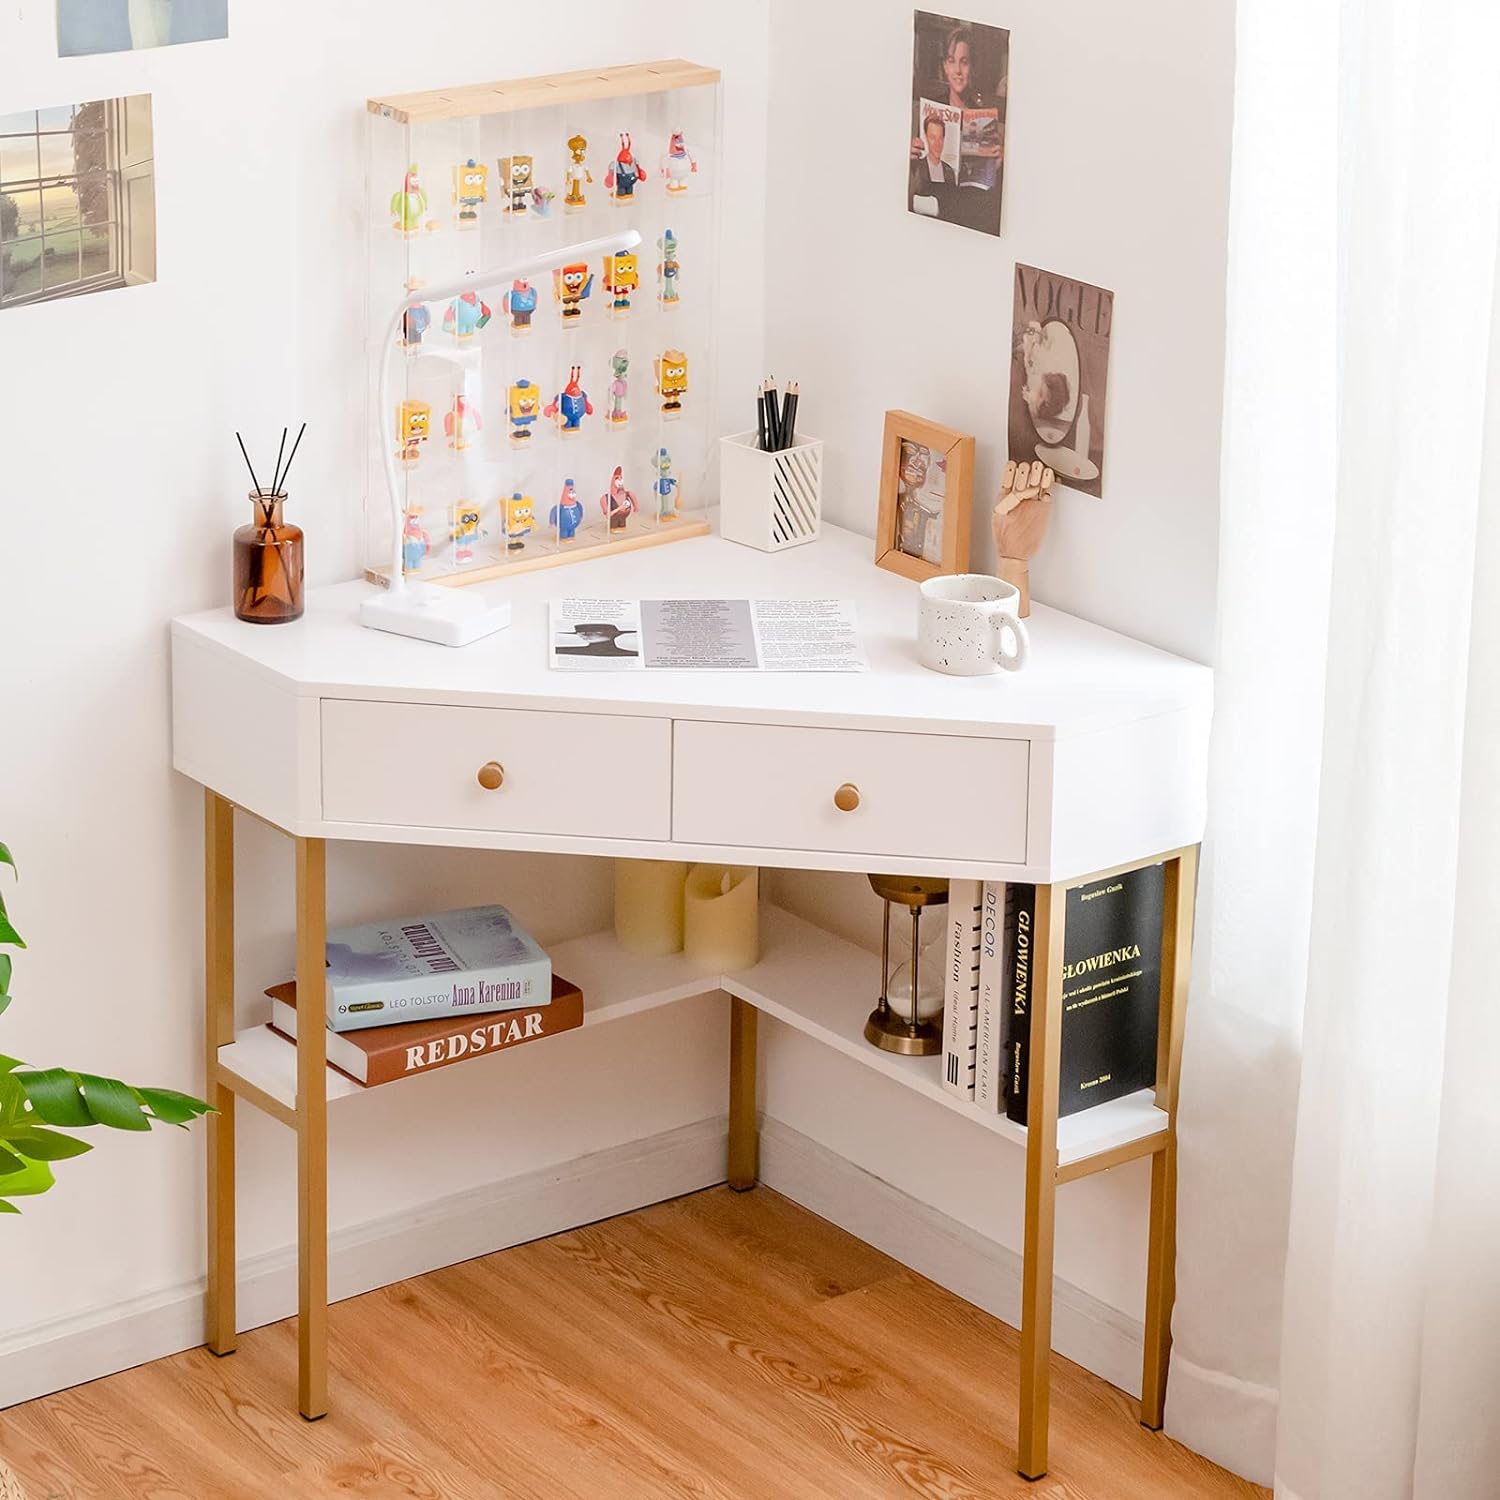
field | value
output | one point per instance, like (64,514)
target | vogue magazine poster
(1059,366)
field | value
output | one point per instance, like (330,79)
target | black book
(1111,991)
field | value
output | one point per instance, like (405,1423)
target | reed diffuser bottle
(268,565)
(268,552)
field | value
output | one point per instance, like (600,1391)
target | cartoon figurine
(415,321)
(461,420)
(413,420)
(415,543)
(1020,522)
(621,277)
(466,531)
(409,205)
(576,174)
(523,401)
(470,189)
(668,269)
(619,388)
(570,285)
(571,404)
(520,303)
(671,382)
(665,486)
(516,513)
(515,178)
(567,515)
(624,173)
(465,316)
(678,164)
(617,502)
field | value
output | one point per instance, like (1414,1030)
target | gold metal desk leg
(1041,1179)
(218,1031)
(312,1131)
(744,1128)
(1179,891)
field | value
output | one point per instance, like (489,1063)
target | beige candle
(721,917)
(648,905)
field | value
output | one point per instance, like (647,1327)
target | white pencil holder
(770,500)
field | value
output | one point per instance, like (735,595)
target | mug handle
(1011,661)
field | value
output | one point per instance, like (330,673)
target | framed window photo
(926,484)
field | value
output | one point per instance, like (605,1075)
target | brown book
(381,1054)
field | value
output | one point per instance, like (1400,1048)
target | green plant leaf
(7,1063)
(10,1162)
(35,1177)
(113,1103)
(172,1108)
(43,1145)
(4,973)
(8,933)
(7,858)
(8,1208)
(5,1000)
(55,1097)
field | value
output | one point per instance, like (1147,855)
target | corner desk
(1090,761)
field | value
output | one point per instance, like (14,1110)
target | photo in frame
(1059,369)
(959,81)
(926,490)
(89,26)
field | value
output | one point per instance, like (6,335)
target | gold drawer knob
(846,799)
(491,775)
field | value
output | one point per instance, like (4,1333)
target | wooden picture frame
(898,547)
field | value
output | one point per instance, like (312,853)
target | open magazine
(971,142)
(704,635)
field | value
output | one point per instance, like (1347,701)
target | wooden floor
(721,1345)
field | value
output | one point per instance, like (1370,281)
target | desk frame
(309,1119)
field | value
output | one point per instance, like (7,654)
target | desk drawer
(417,764)
(933,796)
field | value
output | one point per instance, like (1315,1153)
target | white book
(989,1054)
(961,986)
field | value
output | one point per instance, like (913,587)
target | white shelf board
(614,984)
(826,987)
(807,978)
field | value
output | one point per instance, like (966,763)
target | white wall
(119,488)
(1117,174)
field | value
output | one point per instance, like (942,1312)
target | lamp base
(426,612)
(893,1033)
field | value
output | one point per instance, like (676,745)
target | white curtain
(1347,903)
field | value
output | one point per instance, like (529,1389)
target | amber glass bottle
(268,565)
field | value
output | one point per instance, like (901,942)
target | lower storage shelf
(807,979)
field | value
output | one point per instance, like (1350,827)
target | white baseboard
(64,1352)
(67,1351)
(1084,1329)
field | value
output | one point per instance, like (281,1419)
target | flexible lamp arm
(607,244)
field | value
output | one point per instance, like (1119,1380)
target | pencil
(760,414)
(773,415)
(789,417)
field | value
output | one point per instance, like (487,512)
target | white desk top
(1081,678)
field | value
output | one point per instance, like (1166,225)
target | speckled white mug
(969,624)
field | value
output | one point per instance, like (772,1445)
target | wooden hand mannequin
(1020,522)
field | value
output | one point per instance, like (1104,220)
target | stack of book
(410,995)
(1111,991)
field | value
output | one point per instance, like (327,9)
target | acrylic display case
(532,421)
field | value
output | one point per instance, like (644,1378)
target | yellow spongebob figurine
(471,186)
(576,174)
(671,382)
(413,422)
(515,174)
(517,513)
(622,276)
(524,402)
